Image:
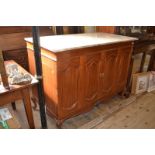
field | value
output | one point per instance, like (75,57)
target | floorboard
(136,112)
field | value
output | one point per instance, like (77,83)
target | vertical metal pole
(37,54)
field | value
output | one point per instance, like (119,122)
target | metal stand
(37,54)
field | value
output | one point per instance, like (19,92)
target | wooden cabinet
(78,78)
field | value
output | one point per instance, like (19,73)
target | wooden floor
(136,112)
(138,115)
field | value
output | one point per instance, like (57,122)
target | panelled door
(68,85)
(123,61)
(107,73)
(90,74)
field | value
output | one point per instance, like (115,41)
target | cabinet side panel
(49,68)
(50,84)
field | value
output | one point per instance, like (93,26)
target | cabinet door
(90,78)
(107,73)
(122,67)
(68,85)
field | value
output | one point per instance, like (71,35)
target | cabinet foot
(34,102)
(59,124)
(127,94)
(124,94)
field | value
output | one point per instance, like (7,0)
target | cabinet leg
(127,94)
(59,124)
(34,102)
(124,94)
(13,105)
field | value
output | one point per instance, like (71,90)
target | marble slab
(59,43)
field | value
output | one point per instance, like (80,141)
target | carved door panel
(90,78)
(69,77)
(107,73)
(122,67)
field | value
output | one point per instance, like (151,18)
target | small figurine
(17,77)
(20,78)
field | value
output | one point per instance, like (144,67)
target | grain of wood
(135,112)
(139,114)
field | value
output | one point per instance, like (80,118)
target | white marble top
(58,43)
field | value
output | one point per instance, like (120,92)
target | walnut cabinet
(77,79)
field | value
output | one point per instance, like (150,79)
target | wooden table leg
(28,108)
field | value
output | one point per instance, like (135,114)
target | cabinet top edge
(60,43)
